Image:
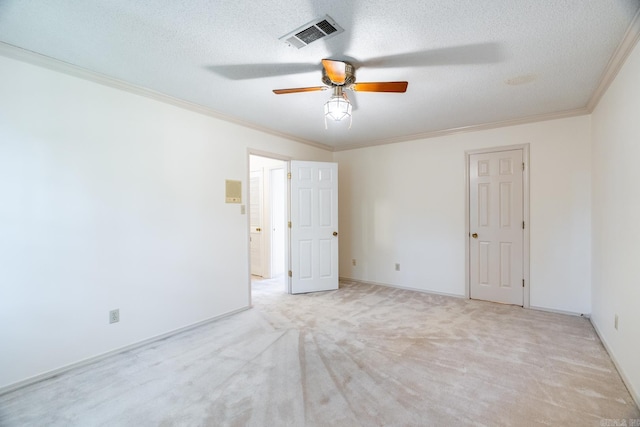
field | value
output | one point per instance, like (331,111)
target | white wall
(113,200)
(616,220)
(404,203)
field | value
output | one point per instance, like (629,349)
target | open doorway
(268,222)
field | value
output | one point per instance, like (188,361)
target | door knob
(474,235)
(258,229)
(335,233)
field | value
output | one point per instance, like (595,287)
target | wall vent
(322,28)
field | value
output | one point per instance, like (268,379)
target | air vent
(321,28)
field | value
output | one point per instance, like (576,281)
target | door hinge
(289,175)
(523,225)
(290,273)
(523,283)
(522,165)
(289,224)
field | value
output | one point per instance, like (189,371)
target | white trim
(405,288)
(616,62)
(473,128)
(37,59)
(566,313)
(619,57)
(58,371)
(625,379)
(267,154)
(525,211)
(287,243)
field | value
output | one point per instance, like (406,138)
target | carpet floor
(362,355)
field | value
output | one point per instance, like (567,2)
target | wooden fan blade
(298,89)
(399,87)
(336,70)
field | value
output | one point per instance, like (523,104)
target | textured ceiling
(467,62)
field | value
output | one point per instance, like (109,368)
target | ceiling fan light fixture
(337,108)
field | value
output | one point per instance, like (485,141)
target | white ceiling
(467,62)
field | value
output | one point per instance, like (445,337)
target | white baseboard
(632,391)
(553,310)
(49,374)
(406,288)
(550,310)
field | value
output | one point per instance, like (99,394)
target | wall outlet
(615,322)
(353,262)
(397,267)
(114,316)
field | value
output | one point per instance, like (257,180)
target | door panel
(314,226)
(495,224)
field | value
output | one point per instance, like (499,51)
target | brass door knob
(474,235)
(258,229)
(335,233)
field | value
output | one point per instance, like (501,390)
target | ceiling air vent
(321,28)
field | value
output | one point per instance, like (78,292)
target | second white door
(496,226)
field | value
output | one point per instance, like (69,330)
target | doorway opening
(267,211)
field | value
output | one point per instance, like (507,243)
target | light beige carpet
(362,355)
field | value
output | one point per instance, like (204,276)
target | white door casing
(314,226)
(255,222)
(496,222)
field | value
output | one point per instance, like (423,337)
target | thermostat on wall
(233,191)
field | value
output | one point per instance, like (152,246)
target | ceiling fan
(340,75)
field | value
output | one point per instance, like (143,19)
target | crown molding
(472,128)
(622,52)
(34,58)
(616,62)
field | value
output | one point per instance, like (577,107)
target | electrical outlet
(114,316)
(615,322)
(397,267)
(353,262)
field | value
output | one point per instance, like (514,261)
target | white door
(496,226)
(255,222)
(314,226)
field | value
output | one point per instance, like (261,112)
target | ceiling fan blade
(470,54)
(256,71)
(299,89)
(399,87)
(336,70)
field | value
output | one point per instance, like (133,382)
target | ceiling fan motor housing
(350,76)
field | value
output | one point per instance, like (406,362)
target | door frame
(525,212)
(263,234)
(287,162)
